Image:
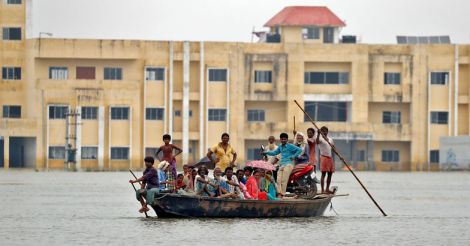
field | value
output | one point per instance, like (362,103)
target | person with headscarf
(268,185)
(301,142)
(165,176)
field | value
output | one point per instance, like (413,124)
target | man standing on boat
(289,153)
(326,159)
(224,152)
(150,184)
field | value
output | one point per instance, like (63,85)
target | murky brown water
(62,208)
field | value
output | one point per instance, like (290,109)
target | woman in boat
(268,185)
(252,186)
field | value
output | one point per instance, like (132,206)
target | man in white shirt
(326,159)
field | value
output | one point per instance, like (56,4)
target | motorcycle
(302,180)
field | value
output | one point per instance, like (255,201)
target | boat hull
(174,205)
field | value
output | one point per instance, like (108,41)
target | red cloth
(326,164)
(311,154)
(253,190)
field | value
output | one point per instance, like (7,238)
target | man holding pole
(326,159)
(149,186)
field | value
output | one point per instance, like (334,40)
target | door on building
(22,152)
(1,152)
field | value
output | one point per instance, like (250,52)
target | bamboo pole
(146,215)
(342,159)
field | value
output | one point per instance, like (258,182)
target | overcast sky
(375,21)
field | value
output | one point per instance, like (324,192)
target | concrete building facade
(112,100)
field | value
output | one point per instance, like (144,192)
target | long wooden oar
(342,159)
(146,215)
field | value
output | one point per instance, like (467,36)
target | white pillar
(130,138)
(170,92)
(78,137)
(201,100)
(186,68)
(100,137)
(456,91)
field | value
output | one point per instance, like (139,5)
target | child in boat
(167,150)
(248,171)
(179,182)
(149,186)
(326,159)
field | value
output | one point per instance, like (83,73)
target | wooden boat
(175,205)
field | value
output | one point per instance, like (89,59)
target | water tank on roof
(349,39)
(273,38)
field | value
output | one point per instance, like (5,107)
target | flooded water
(65,208)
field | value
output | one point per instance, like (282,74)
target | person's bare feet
(143,209)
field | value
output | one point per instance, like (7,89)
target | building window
(151,151)
(89,153)
(439,117)
(434,156)
(112,73)
(177,113)
(58,73)
(11,33)
(12,1)
(119,153)
(86,72)
(57,112)
(327,111)
(57,152)
(11,111)
(255,115)
(439,78)
(326,78)
(390,156)
(119,113)
(11,73)
(311,33)
(254,153)
(361,155)
(217,75)
(152,73)
(389,117)
(392,78)
(89,113)
(263,76)
(217,114)
(154,113)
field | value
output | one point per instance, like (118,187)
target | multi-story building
(112,100)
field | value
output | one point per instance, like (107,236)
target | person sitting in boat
(166,178)
(241,176)
(268,185)
(223,189)
(203,182)
(180,185)
(232,182)
(225,154)
(301,142)
(150,185)
(326,159)
(253,188)
(289,153)
(248,172)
